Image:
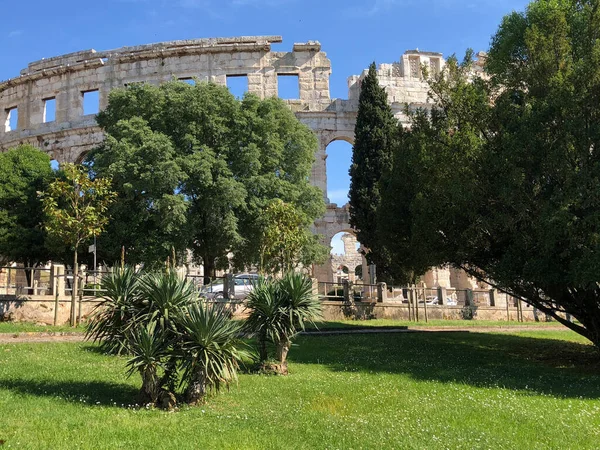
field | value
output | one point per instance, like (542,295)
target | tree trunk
(29,277)
(74,289)
(262,349)
(283,347)
(209,269)
(196,391)
(149,390)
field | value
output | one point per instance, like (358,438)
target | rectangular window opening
(189,81)
(12,119)
(237,85)
(91,102)
(288,86)
(49,110)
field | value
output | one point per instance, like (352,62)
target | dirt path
(12,338)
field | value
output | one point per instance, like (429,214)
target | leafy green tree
(505,171)
(24,171)
(284,237)
(195,168)
(76,209)
(375,134)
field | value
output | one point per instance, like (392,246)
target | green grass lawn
(385,323)
(538,389)
(24,327)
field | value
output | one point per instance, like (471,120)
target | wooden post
(55,306)
(416,306)
(79,309)
(409,293)
(507,310)
(425,305)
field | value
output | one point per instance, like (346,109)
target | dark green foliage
(502,178)
(24,171)
(371,156)
(194,168)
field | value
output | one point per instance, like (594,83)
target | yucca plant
(278,310)
(299,307)
(164,296)
(117,311)
(264,320)
(150,348)
(211,349)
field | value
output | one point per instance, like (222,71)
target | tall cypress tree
(374,137)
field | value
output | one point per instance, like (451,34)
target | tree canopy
(24,171)
(371,155)
(194,168)
(502,177)
(75,210)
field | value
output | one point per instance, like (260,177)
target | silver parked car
(243,284)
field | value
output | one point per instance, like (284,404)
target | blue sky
(352,32)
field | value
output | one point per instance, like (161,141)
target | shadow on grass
(91,393)
(537,366)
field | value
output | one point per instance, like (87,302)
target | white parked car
(449,301)
(243,284)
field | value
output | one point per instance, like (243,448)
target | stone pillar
(346,286)
(58,280)
(381,292)
(315,287)
(469,297)
(493,297)
(441,295)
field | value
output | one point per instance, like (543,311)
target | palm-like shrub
(300,306)
(264,320)
(211,349)
(164,297)
(117,311)
(278,310)
(150,348)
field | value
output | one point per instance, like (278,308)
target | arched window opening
(339,158)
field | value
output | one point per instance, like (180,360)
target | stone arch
(350,259)
(326,139)
(81,157)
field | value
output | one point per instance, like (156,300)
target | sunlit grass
(449,390)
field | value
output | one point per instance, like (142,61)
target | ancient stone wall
(65,83)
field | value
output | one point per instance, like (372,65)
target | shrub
(279,309)
(211,349)
(118,310)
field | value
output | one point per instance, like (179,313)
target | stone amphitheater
(63,83)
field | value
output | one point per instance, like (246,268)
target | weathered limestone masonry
(62,82)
